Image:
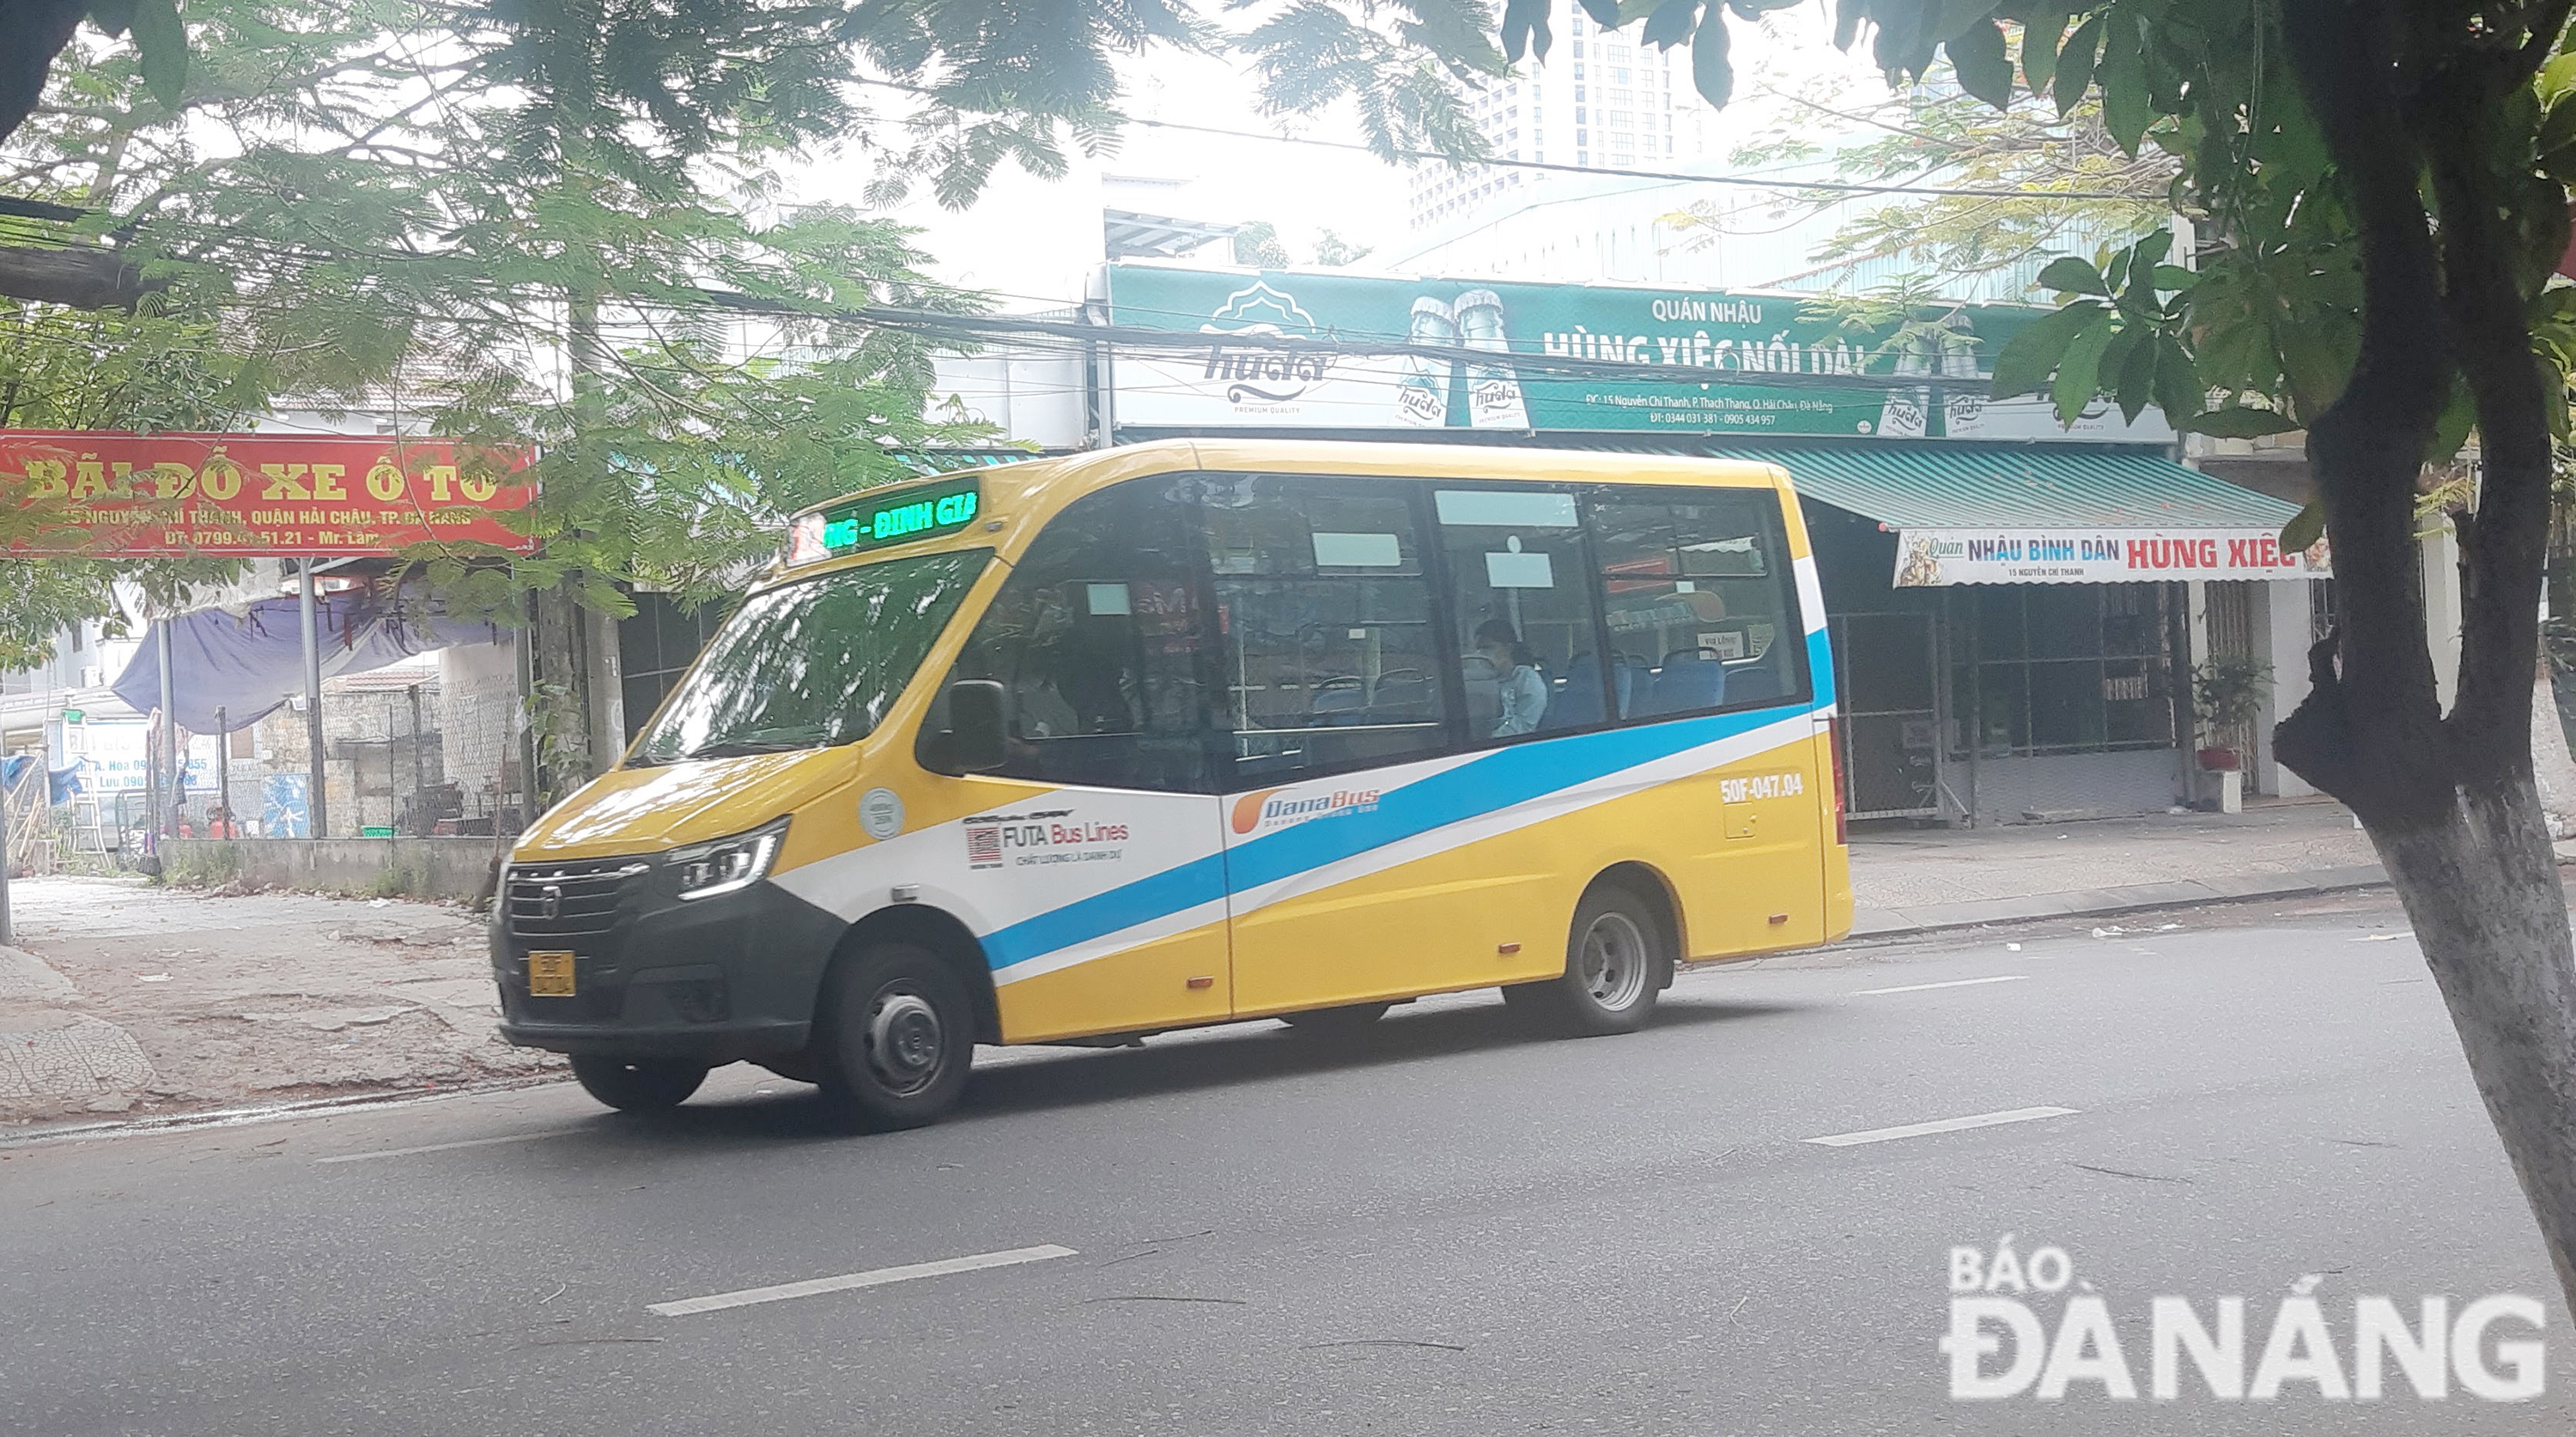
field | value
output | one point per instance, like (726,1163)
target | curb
(2128,898)
(267,1113)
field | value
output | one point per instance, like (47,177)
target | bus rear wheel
(897,1037)
(648,1086)
(1616,965)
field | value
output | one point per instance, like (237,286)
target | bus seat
(1339,701)
(1691,679)
(1625,672)
(1577,702)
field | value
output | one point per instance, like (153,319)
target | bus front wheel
(898,1034)
(647,1086)
(1616,964)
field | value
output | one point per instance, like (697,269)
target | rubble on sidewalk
(136,998)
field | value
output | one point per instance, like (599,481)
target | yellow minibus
(1081,749)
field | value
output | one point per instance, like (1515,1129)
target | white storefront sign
(1931,558)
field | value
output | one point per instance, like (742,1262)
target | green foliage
(2258,335)
(1947,137)
(2228,690)
(556,223)
(1258,244)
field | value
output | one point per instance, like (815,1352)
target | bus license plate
(550,975)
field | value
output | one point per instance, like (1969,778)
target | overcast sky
(1026,239)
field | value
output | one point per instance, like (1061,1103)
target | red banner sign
(253,495)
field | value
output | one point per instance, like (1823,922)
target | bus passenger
(1523,691)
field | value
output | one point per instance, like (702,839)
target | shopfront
(2014,605)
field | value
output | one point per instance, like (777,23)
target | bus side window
(1098,637)
(1526,643)
(1700,602)
(1325,612)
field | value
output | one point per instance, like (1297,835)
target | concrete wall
(457,868)
(2075,785)
(479,720)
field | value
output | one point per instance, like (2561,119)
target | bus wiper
(737,747)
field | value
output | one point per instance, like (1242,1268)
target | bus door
(1341,883)
(1104,901)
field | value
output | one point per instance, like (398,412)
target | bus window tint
(1326,614)
(1526,644)
(1699,599)
(1098,637)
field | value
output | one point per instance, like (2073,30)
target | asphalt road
(1444,1228)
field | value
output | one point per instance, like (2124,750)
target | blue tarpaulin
(247,662)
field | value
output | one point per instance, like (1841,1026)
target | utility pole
(315,802)
(413,806)
(223,774)
(5,935)
(167,821)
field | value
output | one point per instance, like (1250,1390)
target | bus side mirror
(975,725)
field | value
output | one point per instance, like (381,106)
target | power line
(1850,187)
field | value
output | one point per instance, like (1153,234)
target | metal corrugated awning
(2019,487)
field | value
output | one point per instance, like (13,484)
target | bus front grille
(569,900)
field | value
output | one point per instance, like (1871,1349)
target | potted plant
(2227,692)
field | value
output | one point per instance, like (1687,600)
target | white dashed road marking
(879,1277)
(1954,983)
(1939,1125)
(435,1148)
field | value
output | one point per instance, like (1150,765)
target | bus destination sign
(917,512)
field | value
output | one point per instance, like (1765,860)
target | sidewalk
(1907,880)
(130,998)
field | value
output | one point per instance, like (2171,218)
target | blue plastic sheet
(248,662)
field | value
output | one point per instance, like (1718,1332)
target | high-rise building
(1601,100)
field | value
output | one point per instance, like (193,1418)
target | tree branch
(2367,444)
(2536,48)
(2504,549)
(36,31)
(83,278)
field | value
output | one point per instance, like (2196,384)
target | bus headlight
(727,865)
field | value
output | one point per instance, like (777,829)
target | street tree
(2386,186)
(102,371)
(2080,191)
(560,222)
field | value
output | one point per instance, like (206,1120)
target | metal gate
(2230,618)
(1889,665)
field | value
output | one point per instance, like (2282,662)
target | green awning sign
(902,516)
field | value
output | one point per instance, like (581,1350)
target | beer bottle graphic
(1422,395)
(1493,390)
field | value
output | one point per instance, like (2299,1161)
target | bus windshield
(814,664)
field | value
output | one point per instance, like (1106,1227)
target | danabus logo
(1275,808)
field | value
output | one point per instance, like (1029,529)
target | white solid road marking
(751,1296)
(1954,983)
(435,1148)
(1939,1125)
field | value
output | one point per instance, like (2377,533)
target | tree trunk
(32,33)
(2552,766)
(2483,893)
(565,759)
(2450,801)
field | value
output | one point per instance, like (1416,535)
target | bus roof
(1036,488)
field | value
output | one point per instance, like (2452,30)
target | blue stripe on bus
(1488,784)
(1174,890)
